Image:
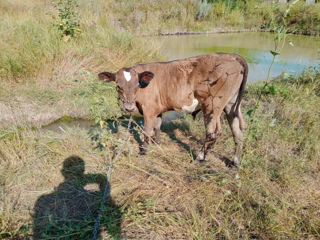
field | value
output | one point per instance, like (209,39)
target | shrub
(203,10)
(68,21)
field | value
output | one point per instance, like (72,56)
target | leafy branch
(68,20)
(279,41)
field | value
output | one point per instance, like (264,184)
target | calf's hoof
(157,141)
(236,161)
(143,149)
(200,157)
(157,137)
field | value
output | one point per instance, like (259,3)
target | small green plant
(68,21)
(268,87)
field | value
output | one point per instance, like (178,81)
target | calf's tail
(243,83)
(245,70)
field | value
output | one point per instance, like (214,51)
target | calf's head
(128,83)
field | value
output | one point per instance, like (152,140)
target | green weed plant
(68,20)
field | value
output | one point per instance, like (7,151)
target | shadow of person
(69,212)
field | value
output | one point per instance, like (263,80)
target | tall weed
(68,20)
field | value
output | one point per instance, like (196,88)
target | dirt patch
(214,31)
(37,114)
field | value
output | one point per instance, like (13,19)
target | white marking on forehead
(192,107)
(127,75)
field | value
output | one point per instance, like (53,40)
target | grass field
(274,195)
(40,65)
(51,179)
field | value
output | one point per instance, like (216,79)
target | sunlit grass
(273,195)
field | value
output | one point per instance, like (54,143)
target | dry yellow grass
(274,195)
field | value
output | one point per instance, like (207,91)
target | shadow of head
(73,167)
(69,212)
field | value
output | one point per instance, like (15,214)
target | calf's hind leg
(237,124)
(213,131)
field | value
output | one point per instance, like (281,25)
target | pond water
(298,53)
(60,126)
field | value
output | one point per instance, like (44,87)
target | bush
(203,10)
(68,21)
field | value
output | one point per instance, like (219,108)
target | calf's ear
(107,76)
(145,78)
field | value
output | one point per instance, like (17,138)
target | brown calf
(211,83)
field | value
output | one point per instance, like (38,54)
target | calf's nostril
(130,109)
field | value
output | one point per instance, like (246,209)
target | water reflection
(298,53)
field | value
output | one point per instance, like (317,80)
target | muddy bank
(36,115)
(222,30)
(53,118)
(214,31)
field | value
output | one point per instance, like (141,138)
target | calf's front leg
(148,132)
(157,126)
